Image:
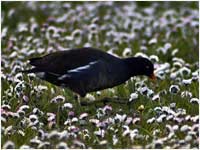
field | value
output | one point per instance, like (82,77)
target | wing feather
(88,77)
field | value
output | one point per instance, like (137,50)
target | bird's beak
(152,76)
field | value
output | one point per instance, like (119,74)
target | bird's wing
(92,76)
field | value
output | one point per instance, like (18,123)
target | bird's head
(141,66)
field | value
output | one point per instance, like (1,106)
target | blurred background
(163,114)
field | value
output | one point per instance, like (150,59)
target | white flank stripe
(76,70)
(40,74)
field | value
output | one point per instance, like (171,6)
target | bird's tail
(35,61)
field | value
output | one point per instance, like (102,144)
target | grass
(182,39)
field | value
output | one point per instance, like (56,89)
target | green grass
(188,51)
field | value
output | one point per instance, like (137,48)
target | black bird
(86,70)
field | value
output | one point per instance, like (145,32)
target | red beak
(152,76)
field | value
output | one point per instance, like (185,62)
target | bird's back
(62,61)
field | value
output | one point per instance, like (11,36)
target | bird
(87,69)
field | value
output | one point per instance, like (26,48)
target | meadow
(159,114)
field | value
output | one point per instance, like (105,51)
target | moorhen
(87,69)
